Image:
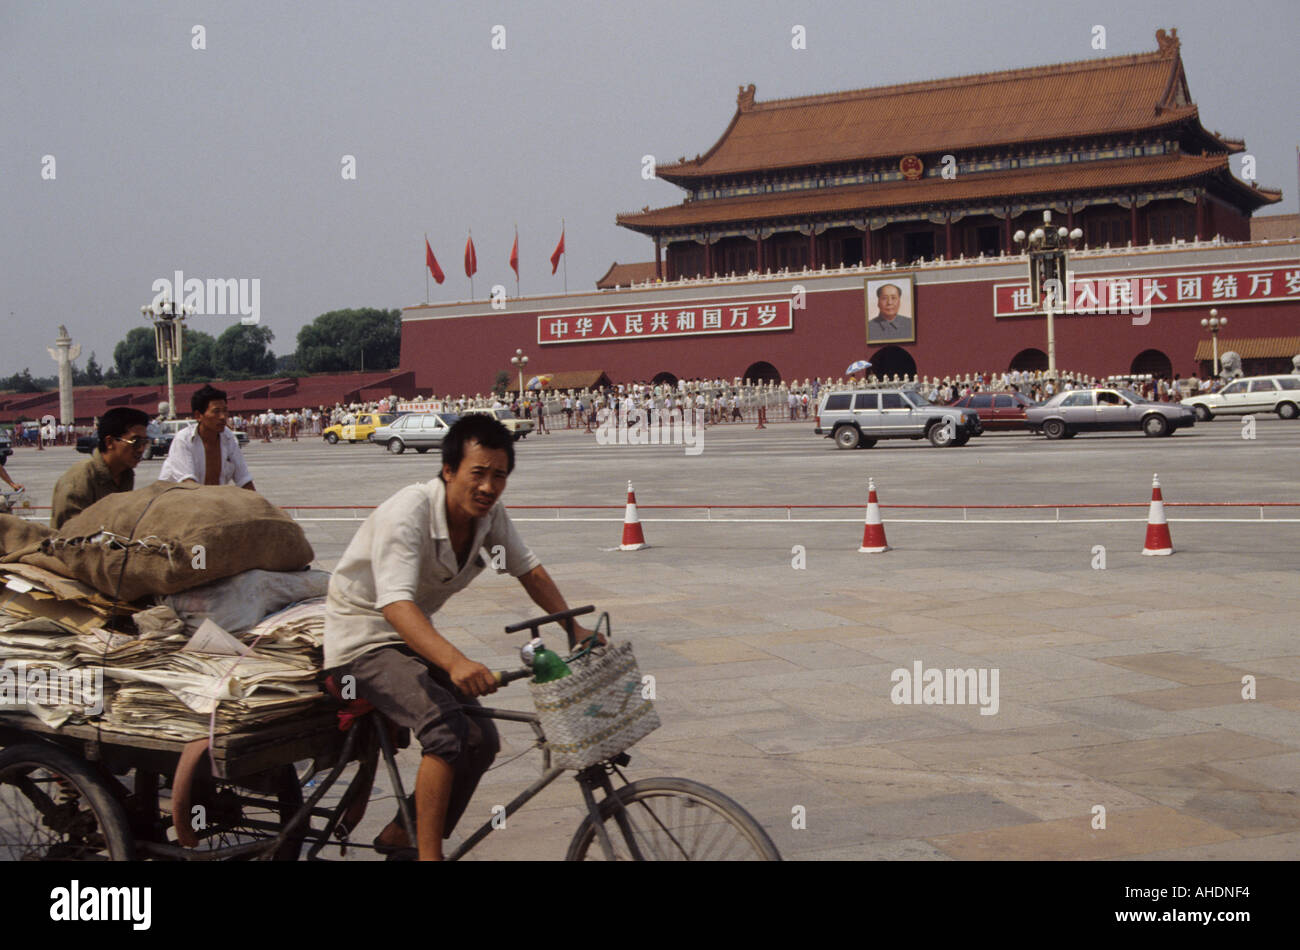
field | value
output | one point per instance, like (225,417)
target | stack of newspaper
(217,683)
(149,675)
(52,629)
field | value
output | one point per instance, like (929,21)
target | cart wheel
(55,807)
(225,814)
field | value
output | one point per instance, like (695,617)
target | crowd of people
(719,402)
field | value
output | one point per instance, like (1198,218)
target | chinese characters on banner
(745,316)
(1116,292)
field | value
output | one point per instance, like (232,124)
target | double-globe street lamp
(1212,324)
(169,333)
(520,361)
(1048,249)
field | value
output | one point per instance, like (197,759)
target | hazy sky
(226,162)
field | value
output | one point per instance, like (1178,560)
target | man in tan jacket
(123,438)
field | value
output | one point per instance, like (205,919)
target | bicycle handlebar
(509,676)
(549,618)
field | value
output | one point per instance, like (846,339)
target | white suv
(1280,394)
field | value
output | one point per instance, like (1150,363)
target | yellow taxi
(361,430)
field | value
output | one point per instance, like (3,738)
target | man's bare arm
(414,628)
(546,595)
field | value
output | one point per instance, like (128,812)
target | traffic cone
(873,535)
(1158,540)
(633,537)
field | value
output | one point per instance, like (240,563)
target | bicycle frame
(589,779)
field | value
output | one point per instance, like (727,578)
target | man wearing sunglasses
(123,438)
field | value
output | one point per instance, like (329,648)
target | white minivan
(1280,394)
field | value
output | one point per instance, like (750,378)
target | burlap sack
(19,535)
(172,536)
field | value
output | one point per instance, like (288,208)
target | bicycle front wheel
(673,819)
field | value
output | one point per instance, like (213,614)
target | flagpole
(426,270)
(471,276)
(566,257)
(517,294)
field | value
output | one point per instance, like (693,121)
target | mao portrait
(890,315)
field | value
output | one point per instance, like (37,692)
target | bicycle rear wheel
(673,819)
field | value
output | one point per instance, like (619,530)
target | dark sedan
(998,410)
(1096,410)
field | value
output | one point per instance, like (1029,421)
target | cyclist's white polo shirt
(404,552)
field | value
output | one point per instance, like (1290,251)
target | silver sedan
(419,430)
(1094,410)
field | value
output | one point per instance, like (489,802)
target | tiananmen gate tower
(808,212)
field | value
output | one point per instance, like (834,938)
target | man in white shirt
(415,551)
(207,453)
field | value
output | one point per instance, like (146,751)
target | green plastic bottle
(548,665)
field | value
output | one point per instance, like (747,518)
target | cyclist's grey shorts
(416,695)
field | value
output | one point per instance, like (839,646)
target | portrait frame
(876,332)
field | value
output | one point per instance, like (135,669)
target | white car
(519,428)
(1280,394)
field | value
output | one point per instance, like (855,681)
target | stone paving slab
(1117,758)
(1127,833)
(1187,670)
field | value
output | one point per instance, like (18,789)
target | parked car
(361,430)
(6,448)
(519,428)
(1280,394)
(418,430)
(1094,410)
(860,418)
(998,410)
(159,442)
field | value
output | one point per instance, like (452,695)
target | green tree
(22,382)
(136,356)
(502,384)
(197,356)
(344,340)
(94,373)
(243,350)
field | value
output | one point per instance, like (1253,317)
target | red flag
(432,263)
(471,259)
(556,254)
(514,256)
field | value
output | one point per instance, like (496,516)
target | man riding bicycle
(415,551)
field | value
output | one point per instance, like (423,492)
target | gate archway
(1029,360)
(1152,363)
(761,372)
(892,361)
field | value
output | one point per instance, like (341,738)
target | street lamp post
(1048,250)
(168,319)
(520,361)
(1213,325)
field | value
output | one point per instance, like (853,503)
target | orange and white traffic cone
(1158,539)
(873,535)
(633,537)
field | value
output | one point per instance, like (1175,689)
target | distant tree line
(336,342)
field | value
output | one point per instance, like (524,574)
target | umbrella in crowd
(857,367)
(537,382)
